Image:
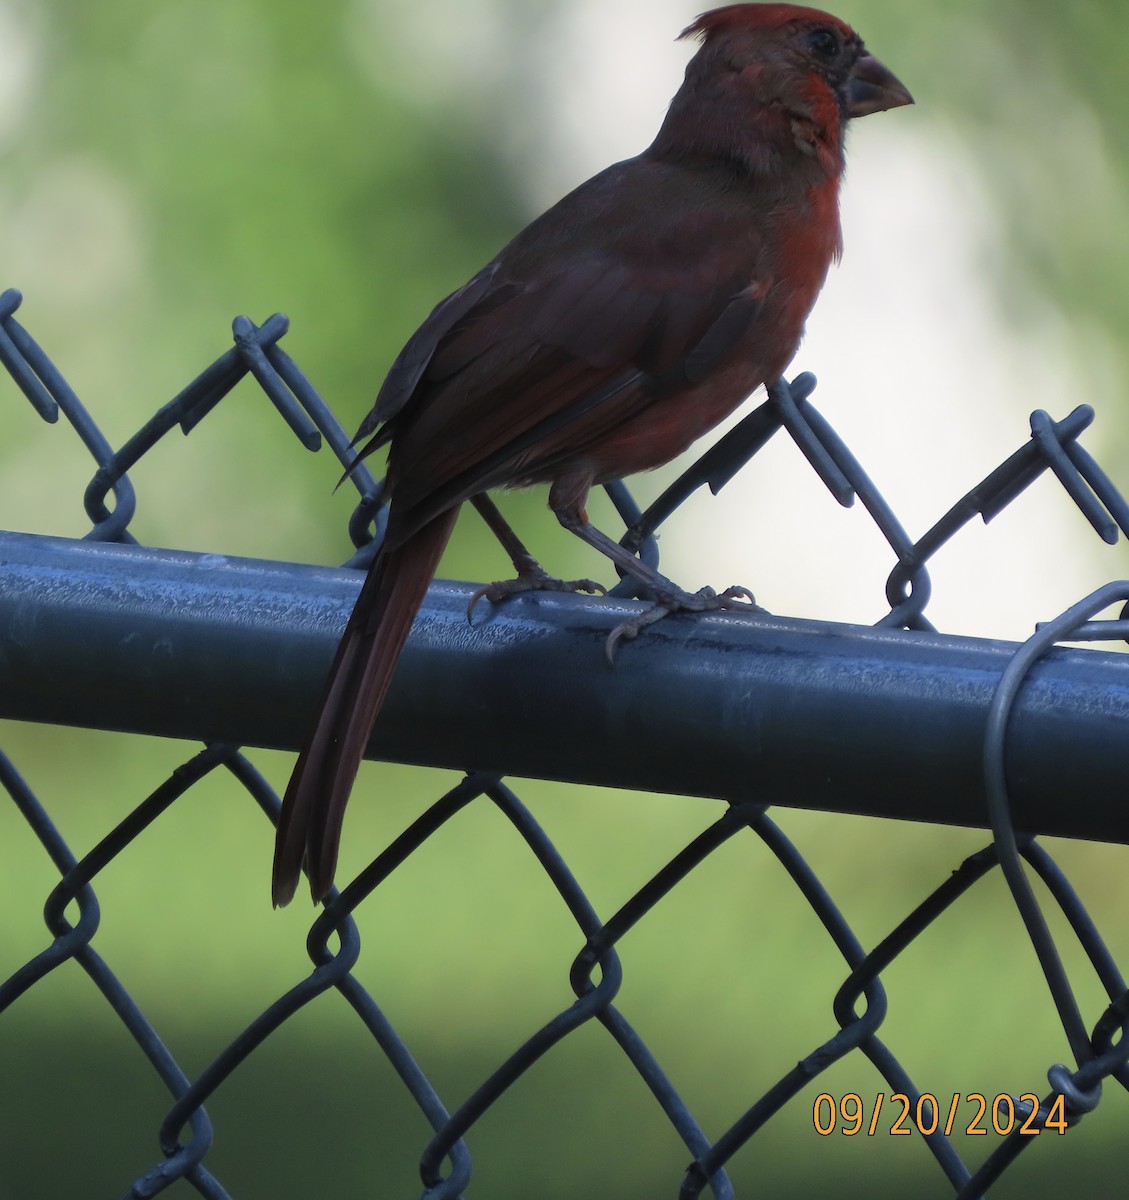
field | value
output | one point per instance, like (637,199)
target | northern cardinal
(613,331)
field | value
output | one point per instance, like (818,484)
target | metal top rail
(746,708)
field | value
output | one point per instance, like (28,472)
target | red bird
(612,332)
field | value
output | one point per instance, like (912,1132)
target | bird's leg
(531,576)
(566,499)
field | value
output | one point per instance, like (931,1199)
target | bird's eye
(824,43)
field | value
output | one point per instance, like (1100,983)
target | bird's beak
(874,88)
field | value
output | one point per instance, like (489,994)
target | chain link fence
(898,720)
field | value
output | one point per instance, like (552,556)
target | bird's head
(771,77)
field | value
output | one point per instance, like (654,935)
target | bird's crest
(752,17)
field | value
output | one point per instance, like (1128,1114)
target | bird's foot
(671,600)
(531,579)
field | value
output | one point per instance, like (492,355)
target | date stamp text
(971,1113)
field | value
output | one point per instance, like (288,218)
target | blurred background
(167,166)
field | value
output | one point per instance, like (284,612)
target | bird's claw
(703,600)
(630,629)
(738,597)
(530,581)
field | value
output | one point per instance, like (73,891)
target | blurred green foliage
(168,165)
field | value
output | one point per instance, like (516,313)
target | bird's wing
(404,375)
(542,354)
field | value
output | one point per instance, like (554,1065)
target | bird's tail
(309,828)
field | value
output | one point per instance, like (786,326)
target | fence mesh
(720,1147)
